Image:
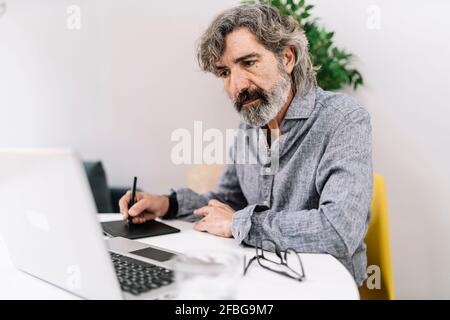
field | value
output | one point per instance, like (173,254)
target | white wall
(117,88)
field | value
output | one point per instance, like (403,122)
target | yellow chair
(204,178)
(378,246)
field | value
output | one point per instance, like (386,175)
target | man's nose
(238,83)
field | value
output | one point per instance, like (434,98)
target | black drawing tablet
(135,231)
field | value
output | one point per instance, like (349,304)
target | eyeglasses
(289,263)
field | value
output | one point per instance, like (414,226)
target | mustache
(247,95)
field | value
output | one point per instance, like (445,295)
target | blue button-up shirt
(315,198)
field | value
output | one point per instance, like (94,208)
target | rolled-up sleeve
(344,183)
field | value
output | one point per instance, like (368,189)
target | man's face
(254,78)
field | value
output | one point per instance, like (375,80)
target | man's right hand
(147,207)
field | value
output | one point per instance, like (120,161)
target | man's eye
(224,73)
(249,63)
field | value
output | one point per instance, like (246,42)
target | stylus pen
(133,196)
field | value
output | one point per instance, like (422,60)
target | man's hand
(216,219)
(147,207)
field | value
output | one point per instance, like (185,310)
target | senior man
(317,198)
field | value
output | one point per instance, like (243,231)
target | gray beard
(261,113)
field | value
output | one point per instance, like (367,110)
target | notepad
(136,231)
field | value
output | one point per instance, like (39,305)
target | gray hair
(274,31)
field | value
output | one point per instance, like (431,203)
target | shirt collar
(301,106)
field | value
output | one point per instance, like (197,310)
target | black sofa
(106,198)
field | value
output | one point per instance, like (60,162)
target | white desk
(326,277)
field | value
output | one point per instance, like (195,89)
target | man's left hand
(216,219)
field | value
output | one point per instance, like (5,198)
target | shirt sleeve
(344,182)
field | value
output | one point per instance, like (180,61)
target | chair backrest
(204,178)
(378,247)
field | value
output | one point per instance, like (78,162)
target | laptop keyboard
(136,276)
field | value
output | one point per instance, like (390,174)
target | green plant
(333,63)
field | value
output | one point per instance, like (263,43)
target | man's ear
(289,59)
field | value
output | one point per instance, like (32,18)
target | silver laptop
(50,226)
